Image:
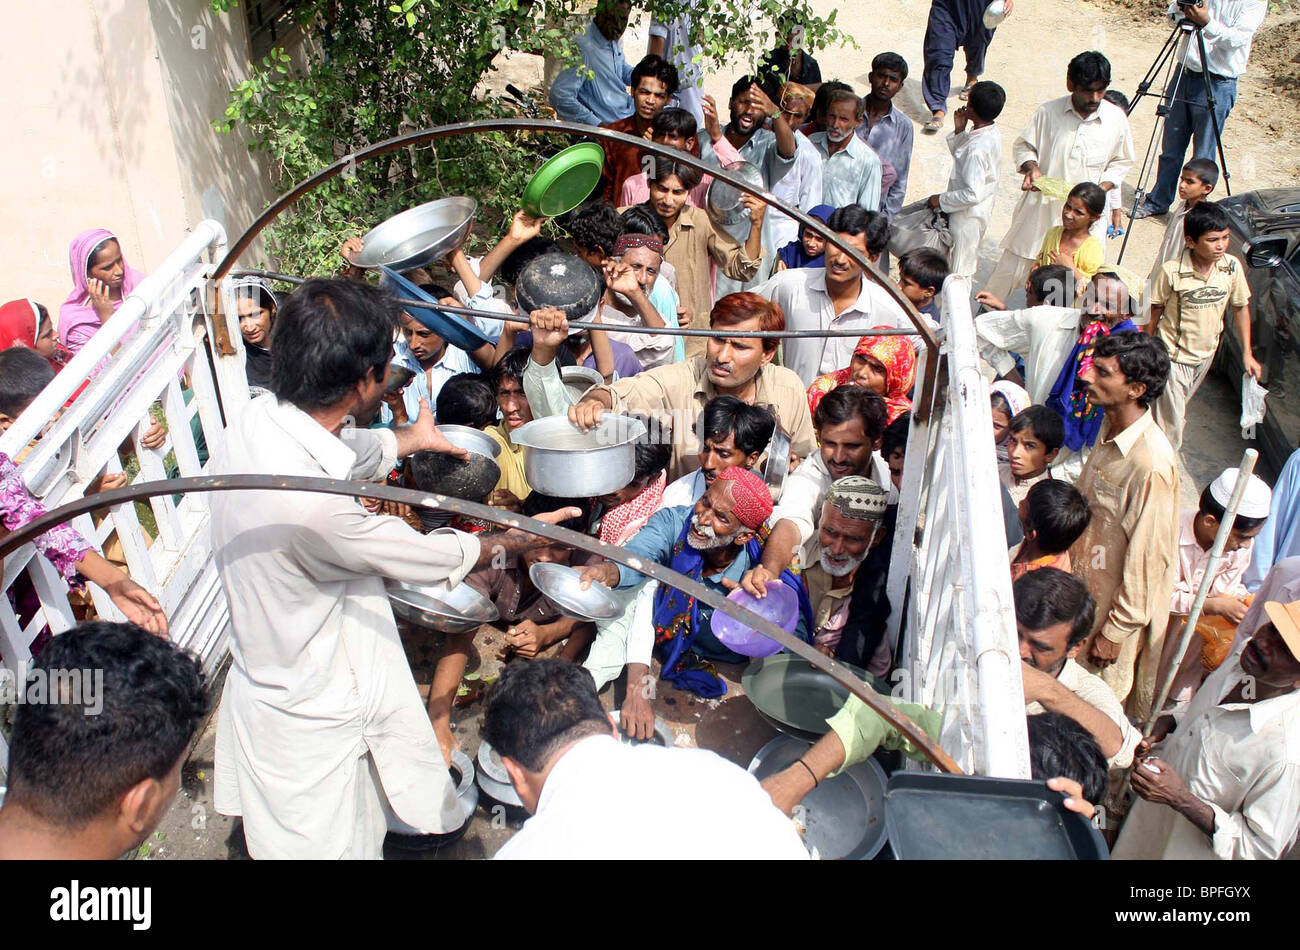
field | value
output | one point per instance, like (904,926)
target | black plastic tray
(933,816)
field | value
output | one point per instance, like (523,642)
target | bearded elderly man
(713,543)
(322,739)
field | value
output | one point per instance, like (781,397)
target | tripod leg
(1210,105)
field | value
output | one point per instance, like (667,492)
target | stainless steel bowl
(562,584)
(420,235)
(403,837)
(472,440)
(440,607)
(495,788)
(564,461)
(578,379)
(723,201)
(398,376)
(778,462)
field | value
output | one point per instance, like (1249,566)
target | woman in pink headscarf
(101,280)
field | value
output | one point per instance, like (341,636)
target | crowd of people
(322,735)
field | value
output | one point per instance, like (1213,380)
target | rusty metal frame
(210,483)
(282,203)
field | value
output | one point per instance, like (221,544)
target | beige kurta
(1066,145)
(1128,556)
(321,728)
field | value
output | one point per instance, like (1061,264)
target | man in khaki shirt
(736,366)
(1128,555)
(1188,307)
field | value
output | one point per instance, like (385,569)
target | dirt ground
(1028,57)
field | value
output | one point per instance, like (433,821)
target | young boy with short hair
(1188,309)
(1033,439)
(921,273)
(1195,183)
(1054,515)
(973,183)
(893,449)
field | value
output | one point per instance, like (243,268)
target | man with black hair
(97,746)
(596,91)
(851,169)
(837,296)
(321,733)
(1053,515)
(1128,553)
(23,374)
(654,83)
(591,796)
(466,400)
(1079,137)
(886,128)
(516,411)
(1189,308)
(731,432)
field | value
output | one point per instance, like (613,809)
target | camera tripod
(1169,61)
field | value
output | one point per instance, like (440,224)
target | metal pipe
(579,325)
(277,207)
(332,486)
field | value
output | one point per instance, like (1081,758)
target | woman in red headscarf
(26,323)
(886,364)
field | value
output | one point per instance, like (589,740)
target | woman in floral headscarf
(886,364)
(101,280)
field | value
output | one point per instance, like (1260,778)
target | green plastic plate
(564,181)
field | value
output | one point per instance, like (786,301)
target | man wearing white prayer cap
(1227,602)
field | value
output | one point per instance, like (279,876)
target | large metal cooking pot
(563,281)
(564,461)
(723,200)
(419,236)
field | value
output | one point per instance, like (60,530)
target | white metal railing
(959,649)
(134,365)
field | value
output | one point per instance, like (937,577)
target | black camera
(1190,3)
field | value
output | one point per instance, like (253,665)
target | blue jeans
(1189,121)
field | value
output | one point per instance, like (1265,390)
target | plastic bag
(919,225)
(1252,405)
(1058,189)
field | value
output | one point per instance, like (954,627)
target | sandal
(933,126)
(964,93)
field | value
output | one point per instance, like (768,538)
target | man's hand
(505,498)
(397,406)
(586,415)
(684,313)
(1036,683)
(711,124)
(636,718)
(140,606)
(1200,15)
(756,580)
(106,481)
(620,279)
(525,639)
(422,434)
(1163,726)
(550,329)
(988,300)
(759,98)
(933,201)
(99,298)
(1073,791)
(1032,174)
(350,249)
(788,787)
(602,572)
(1156,781)
(1102,652)
(1251,366)
(154,436)
(757,209)
(524,227)
(1229,608)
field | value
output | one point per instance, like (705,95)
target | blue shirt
(454,360)
(603,97)
(891,137)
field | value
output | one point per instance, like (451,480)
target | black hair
(330,335)
(596,227)
(750,427)
(987,100)
(42,316)
(1205,170)
(523,255)
(846,95)
(1058,512)
(90,258)
(1053,284)
(654,450)
(1049,595)
(641,219)
(926,266)
(855,219)
(535,709)
(513,364)
(769,82)
(1203,218)
(656,67)
(1044,423)
(822,97)
(891,61)
(23,374)
(1117,98)
(1088,69)
(1093,195)
(466,399)
(75,754)
(843,403)
(436,291)
(674,121)
(1142,358)
(895,437)
(1108,272)
(659,167)
(1210,506)
(536,503)
(265,299)
(1059,746)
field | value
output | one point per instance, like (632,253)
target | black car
(1266,237)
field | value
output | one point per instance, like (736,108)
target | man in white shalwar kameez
(1077,138)
(973,183)
(322,739)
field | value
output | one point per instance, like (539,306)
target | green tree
(372,69)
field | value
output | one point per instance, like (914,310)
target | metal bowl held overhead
(560,280)
(578,379)
(562,460)
(439,607)
(844,816)
(420,235)
(793,695)
(563,585)
(405,838)
(723,201)
(472,440)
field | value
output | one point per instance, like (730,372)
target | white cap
(1255,501)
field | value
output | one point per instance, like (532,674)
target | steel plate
(562,584)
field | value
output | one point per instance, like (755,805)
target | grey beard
(714,541)
(840,570)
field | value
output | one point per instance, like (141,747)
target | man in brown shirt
(654,82)
(1128,556)
(736,366)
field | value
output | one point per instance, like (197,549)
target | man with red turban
(714,543)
